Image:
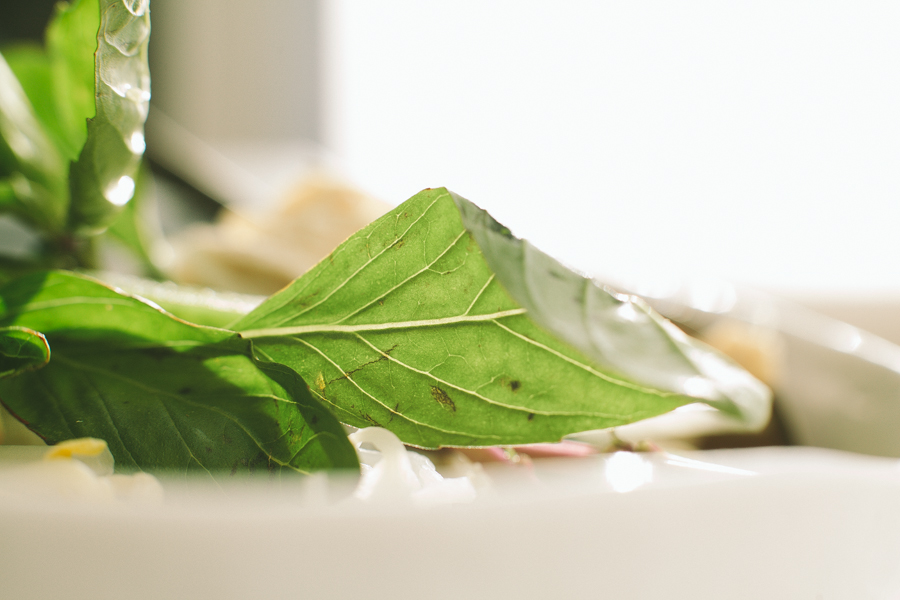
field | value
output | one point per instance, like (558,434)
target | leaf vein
(572,361)
(377,401)
(485,398)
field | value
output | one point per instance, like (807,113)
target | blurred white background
(756,142)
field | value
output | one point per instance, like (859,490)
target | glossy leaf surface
(102,181)
(407,326)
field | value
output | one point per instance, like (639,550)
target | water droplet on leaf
(121,191)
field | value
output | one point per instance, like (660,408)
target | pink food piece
(499,454)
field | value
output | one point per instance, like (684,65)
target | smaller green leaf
(211,408)
(163,393)
(60,303)
(201,306)
(22,350)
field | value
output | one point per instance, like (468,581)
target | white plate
(766,523)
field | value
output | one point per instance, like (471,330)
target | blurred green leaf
(71,42)
(31,65)
(102,180)
(7,196)
(138,228)
(30,163)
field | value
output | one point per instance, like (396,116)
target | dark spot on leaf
(226,438)
(399,244)
(184,390)
(260,460)
(530,416)
(371,420)
(314,419)
(442,398)
(515,384)
(208,449)
(241,462)
(381,302)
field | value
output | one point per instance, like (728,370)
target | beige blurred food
(756,349)
(760,351)
(261,253)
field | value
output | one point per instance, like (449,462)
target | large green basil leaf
(420,323)
(21,350)
(163,393)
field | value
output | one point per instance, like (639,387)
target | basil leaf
(201,306)
(32,67)
(407,326)
(32,169)
(102,180)
(21,350)
(64,305)
(71,42)
(163,393)
(7,195)
(92,90)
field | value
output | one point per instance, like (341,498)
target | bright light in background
(756,142)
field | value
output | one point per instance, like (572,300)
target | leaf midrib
(364,327)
